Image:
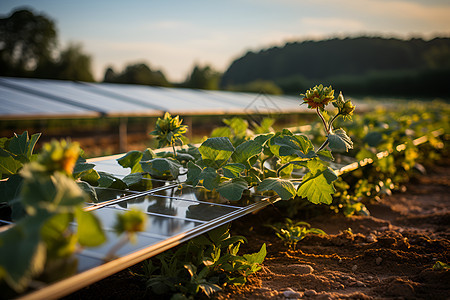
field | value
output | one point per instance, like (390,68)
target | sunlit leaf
(233,170)
(258,257)
(317,185)
(284,188)
(8,166)
(325,155)
(245,151)
(81,168)
(287,144)
(216,151)
(131,160)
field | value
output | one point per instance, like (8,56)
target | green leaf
(81,168)
(8,166)
(88,190)
(287,144)
(258,257)
(90,232)
(67,191)
(238,126)
(284,188)
(209,288)
(245,151)
(219,234)
(10,189)
(107,180)
(209,178)
(59,239)
(232,189)
(325,155)
(18,145)
(22,253)
(339,141)
(146,182)
(91,176)
(317,185)
(131,160)
(148,154)
(216,151)
(263,138)
(40,191)
(31,144)
(193,174)
(221,132)
(233,170)
(162,168)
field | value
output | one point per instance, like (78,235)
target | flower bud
(59,156)
(347,109)
(319,96)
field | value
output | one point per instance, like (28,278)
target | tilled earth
(388,255)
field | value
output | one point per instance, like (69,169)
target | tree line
(361,65)
(372,65)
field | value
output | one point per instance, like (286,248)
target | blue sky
(173,35)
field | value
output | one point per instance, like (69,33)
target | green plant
(203,264)
(439,265)
(45,203)
(42,240)
(169,131)
(291,232)
(235,160)
(127,225)
(385,130)
(266,161)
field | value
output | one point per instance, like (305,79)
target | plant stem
(112,252)
(323,145)
(331,122)
(174,151)
(323,120)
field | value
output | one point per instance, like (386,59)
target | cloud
(429,15)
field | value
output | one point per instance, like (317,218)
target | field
(362,210)
(388,255)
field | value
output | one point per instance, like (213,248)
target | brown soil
(388,255)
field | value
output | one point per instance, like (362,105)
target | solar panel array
(175,211)
(42,98)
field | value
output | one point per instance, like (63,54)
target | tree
(203,78)
(138,73)
(73,64)
(26,41)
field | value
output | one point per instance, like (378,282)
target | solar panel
(75,94)
(16,102)
(42,98)
(175,212)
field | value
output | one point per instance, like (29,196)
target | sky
(175,35)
